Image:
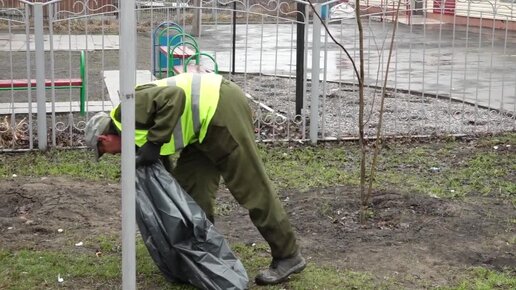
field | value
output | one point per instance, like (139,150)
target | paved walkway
(18,42)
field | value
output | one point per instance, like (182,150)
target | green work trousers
(229,150)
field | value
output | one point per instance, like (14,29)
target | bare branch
(382,103)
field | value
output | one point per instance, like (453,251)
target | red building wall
(446,7)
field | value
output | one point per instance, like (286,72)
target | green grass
(464,169)
(484,279)
(70,163)
(26,269)
(29,269)
(309,167)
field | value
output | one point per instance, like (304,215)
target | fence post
(40,76)
(197,18)
(127,62)
(314,100)
(300,57)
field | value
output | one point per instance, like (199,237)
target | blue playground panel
(163,41)
(163,34)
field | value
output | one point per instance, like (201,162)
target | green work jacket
(174,111)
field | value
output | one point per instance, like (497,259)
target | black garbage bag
(183,243)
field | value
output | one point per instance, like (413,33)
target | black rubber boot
(281,269)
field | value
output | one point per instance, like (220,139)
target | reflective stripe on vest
(202,95)
(178,130)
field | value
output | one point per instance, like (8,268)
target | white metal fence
(452,70)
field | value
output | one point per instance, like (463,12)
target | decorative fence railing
(451,73)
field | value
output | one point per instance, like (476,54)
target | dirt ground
(410,239)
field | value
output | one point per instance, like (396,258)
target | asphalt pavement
(473,65)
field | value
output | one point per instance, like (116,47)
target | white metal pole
(40,76)
(314,101)
(127,55)
(27,59)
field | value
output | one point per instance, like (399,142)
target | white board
(112,81)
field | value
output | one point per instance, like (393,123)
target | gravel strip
(404,113)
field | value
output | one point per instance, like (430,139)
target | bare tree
(378,144)
(365,195)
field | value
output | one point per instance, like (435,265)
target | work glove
(148,154)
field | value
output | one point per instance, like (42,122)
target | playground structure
(62,84)
(173,50)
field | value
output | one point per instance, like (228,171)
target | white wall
(487,9)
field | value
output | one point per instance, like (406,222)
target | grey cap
(96,126)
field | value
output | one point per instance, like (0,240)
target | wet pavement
(473,65)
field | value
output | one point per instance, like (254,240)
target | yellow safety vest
(202,97)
